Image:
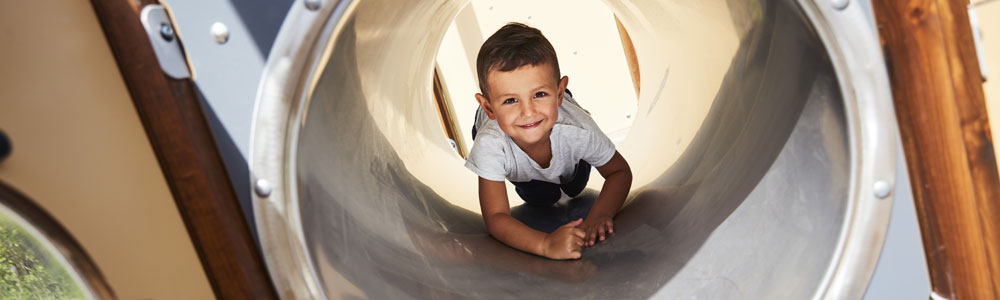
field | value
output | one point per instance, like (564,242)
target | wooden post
(171,114)
(940,107)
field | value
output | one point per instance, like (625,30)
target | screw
(263,188)
(220,32)
(312,4)
(882,189)
(166,31)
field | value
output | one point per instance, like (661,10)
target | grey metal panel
(772,199)
(901,272)
(227,74)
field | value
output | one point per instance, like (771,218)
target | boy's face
(525,102)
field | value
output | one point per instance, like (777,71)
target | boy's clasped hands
(568,241)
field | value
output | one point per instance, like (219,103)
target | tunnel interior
(745,198)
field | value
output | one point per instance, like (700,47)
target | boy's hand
(597,228)
(564,243)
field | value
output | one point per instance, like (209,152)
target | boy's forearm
(616,187)
(512,232)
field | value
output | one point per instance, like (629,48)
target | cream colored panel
(989,21)
(80,151)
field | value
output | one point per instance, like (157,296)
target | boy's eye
(541,94)
(509,101)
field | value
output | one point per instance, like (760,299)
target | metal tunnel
(779,187)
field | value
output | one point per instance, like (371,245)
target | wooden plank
(172,116)
(941,112)
(447,113)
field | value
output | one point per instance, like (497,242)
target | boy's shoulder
(490,154)
(489,138)
(489,130)
(574,115)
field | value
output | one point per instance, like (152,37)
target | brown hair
(514,45)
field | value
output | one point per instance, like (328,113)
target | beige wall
(80,151)
(989,21)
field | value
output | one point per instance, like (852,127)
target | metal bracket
(164,40)
(977,35)
(936,296)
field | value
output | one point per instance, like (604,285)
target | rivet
(882,189)
(840,4)
(220,32)
(312,4)
(263,187)
(167,32)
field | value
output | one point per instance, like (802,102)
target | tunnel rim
(302,49)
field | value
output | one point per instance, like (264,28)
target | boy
(541,143)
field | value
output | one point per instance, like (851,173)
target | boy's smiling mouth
(530,125)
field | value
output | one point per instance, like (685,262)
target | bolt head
(166,32)
(312,4)
(220,32)
(882,189)
(262,187)
(840,4)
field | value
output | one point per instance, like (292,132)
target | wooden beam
(940,107)
(172,116)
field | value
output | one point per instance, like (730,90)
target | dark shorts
(549,218)
(542,193)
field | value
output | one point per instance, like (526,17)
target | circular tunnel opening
(741,147)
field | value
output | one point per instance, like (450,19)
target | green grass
(28,271)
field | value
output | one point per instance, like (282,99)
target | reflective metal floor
(755,205)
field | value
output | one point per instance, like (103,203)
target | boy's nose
(528,108)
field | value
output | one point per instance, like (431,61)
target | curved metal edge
(856,55)
(300,43)
(56,239)
(305,34)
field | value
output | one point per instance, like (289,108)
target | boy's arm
(617,182)
(564,243)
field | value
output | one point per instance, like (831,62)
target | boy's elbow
(493,221)
(625,173)
(627,176)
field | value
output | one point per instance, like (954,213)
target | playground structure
(782,194)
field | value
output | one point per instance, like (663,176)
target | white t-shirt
(575,136)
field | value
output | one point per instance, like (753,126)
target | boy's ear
(563,83)
(485,103)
